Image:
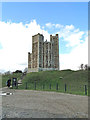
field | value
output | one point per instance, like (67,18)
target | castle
(45,55)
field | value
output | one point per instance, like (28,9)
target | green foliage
(18,71)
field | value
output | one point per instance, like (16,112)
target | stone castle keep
(45,55)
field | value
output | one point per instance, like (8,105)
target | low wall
(41,69)
(32,70)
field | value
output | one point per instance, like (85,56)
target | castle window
(39,65)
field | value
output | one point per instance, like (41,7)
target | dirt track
(41,104)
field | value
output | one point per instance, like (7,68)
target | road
(42,104)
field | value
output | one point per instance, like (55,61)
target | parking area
(43,104)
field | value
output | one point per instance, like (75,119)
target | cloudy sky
(22,20)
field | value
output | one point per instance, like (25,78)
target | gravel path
(41,104)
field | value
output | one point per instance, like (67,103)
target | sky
(22,20)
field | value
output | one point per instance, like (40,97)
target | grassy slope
(75,80)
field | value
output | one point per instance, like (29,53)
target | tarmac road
(41,104)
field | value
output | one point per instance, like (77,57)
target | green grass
(75,81)
(6,77)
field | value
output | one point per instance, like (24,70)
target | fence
(83,89)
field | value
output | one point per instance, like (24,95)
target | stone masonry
(45,55)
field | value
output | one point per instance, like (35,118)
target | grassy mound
(47,80)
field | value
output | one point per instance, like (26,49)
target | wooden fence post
(65,87)
(17,84)
(57,86)
(85,89)
(12,83)
(35,85)
(43,86)
(26,86)
(50,86)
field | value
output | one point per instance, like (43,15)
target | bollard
(12,83)
(85,89)
(50,86)
(57,86)
(26,85)
(43,86)
(35,85)
(65,88)
(17,85)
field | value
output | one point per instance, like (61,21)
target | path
(41,104)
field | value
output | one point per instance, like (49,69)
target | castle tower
(54,51)
(29,60)
(36,58)
(45,55)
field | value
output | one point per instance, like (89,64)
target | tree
(81,66)
(18,71)
(86,67)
